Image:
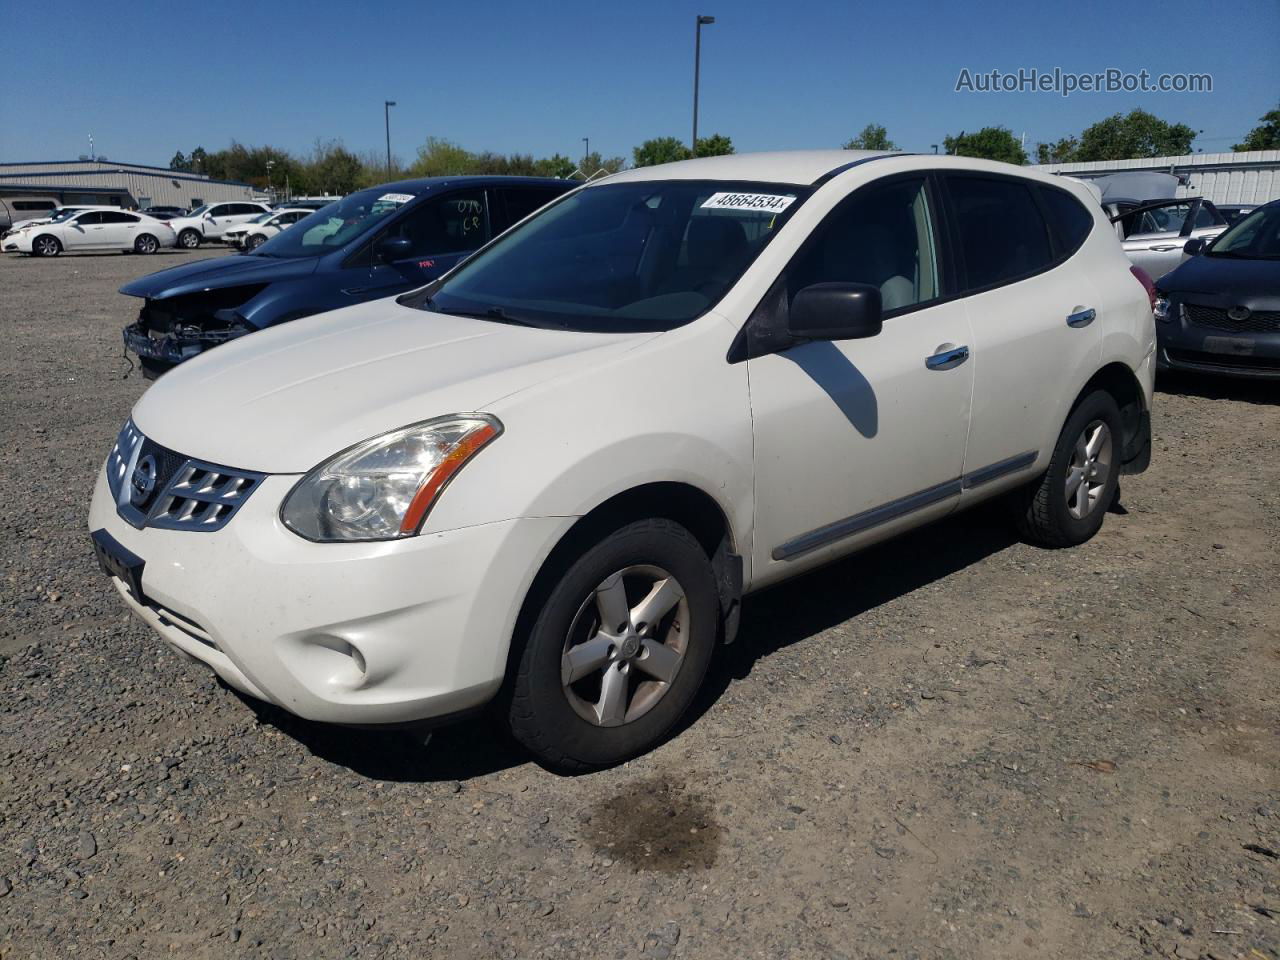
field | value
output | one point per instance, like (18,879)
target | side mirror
(1194,247)
(394,248)
(835,311)
(208,215)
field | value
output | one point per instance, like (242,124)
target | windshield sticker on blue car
(395,198)
(762,202)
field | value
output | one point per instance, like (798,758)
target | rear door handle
(947,359)
(1082,318)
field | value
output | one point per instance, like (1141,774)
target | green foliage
(1137,134)
(991,143)
(1064,151)
(1266,136)
(716,145)
(594,162)
(660,150)
(873,137)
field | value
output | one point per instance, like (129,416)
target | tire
(254,242)
(650,562)
(146,243)
(46,246)
(189,239)
(1066,506)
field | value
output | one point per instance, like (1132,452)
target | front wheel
(46,246)
(189,239)
(254,242)
(618,650)
(1067,505)
(146,244)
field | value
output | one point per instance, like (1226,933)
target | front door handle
(947,359)
(1082,318)
(1164,248)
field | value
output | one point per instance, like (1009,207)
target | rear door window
(110,216)
(1000,233)
(518,202)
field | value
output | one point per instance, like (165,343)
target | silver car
(1154,234)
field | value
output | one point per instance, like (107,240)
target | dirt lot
(954,746)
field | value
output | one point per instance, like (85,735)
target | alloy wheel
(625,646)
(1089,469)
(46,246)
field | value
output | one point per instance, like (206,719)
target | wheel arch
(1117,379)
(690,506)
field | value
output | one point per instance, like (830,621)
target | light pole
(697,66)
(935,148)
(386,115)
(586,152)
(270,164)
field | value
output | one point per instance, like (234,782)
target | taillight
(1148,284)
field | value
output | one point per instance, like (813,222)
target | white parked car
(58,212)
(252,235)
(77,230)
(547,479)
(212,220)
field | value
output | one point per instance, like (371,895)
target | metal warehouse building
(1252,177)
(149,186)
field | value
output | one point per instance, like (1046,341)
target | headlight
(383,488)
(1160,307)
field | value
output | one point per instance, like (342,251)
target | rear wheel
(189,239)
(1067,505)
(618,650)
(146,243)
(46,246)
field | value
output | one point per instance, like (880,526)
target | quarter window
(999,228)
(1068,219)
(882,236)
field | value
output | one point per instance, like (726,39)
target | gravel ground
(953,746)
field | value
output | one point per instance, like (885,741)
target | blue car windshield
(648,255)
(334,226)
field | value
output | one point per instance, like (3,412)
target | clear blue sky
(149,78)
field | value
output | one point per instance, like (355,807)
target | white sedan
(549,477)
(81,230)
(252,235)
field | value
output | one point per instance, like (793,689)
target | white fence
(1252,177)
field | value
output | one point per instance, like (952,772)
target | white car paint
(785,444)
(213,220)
(97,228)
(259,230)
(55,213)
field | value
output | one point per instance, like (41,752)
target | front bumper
(170,349)
(370,633)
(1217,347)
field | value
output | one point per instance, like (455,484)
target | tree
(592,163)
(716,145)
(180,162)
(873,137)
(1064,151)
(991,143)
(1265,136)
(439,157)
(660,150)
(333,169)
(556,165)
(1137,134)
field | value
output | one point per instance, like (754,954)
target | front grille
(154,486)
(1215,318)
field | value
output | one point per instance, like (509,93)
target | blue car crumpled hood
(217,273)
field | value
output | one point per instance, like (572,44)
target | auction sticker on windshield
(395,198)
(764,202)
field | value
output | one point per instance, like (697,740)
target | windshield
(621,257)
(263,217)
(198,211)
(66,213)
(1255,237)
(334,226)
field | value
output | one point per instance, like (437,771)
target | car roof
(801,167)
(423,185)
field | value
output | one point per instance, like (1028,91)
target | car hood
(287,398)
(201,275)
(1251,283)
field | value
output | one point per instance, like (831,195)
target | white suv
(211,221)
(547,479)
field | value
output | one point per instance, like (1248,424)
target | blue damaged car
(372,243)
